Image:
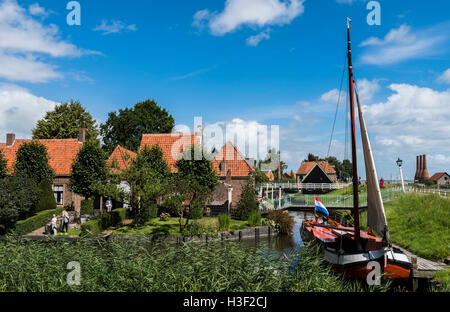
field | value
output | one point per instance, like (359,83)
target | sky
(241,63)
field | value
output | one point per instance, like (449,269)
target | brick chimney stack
(82,135)
(10,139)
(419,174)
(416,177)
(425,174)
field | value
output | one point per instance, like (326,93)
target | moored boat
(349,250)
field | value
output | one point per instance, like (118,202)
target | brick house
(231,166)
(62,153)
(316,172)
(441,178)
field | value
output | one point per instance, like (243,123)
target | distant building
(62,153)
(316,172)
(269,175)
(231,166)
(441,178)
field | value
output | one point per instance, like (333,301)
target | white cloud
(331,96)
(445,77)
(25,42)
(251,13)
(367,89)
(413,120)
(114,27)
(402,44)
(36,10)
(256,39)
(20,110)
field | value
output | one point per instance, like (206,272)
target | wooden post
(101,204)
(415,281)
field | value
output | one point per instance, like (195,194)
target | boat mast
(353,131)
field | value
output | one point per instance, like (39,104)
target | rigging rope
(337,106)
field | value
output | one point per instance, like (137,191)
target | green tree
(247,202)
(89,170)
(32,161)
(65,121)
(148,179)
(198,172)
(3,169)
(18,198)
(126,127)
(260,177)
(46,198)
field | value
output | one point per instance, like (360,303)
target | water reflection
(282,243)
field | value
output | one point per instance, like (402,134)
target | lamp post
(399,164)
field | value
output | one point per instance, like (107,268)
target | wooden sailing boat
(348,249)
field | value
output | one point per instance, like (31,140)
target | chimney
(10,139)
(82,135)
(416,177)
(425,174)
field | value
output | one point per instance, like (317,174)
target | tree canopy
(32,161)
(89,170)
(65,121)
(126,127)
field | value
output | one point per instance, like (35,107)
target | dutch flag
(320,207)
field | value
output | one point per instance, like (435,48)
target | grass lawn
(72,232)
(171,227)
(419,223)
(443,277)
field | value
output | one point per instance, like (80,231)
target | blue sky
(259,62)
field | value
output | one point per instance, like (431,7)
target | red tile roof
(307,166)
(234,161)
(171,144)
(61,152)
(437,176)
(121,157)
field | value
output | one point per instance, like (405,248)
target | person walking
(54,221)
(66,219)
(108,205)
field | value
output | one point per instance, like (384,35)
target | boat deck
(423,268)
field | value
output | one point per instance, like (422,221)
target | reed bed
(30,266)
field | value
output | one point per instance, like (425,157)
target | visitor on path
(382,183)
(66,219)
(108,205)
(54,220)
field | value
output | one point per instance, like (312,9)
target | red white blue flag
(320,207)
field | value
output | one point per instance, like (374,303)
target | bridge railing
(300,186)
(335,201)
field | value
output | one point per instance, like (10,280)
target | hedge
(87,207)
(26,226)
(96,226)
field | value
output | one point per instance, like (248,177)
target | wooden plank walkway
(423,268)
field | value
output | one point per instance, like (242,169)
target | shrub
(254,219)
(194,229)
(18,198)
(164,216)
(96,226)
(39,220)
(46,198)
(196,210)
(224,222)
(283,221)
(247,203)
(87,207)
(429,182)
(173,205)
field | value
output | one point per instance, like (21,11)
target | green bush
(247,203)
(194,229)
(196,210)
(87,207)
(255,218)
(39,220)
(97,226)
(224,222)
(46,198)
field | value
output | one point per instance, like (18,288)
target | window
(58,191)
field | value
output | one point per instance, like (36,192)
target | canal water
(286,244)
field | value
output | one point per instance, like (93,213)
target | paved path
(38,232)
